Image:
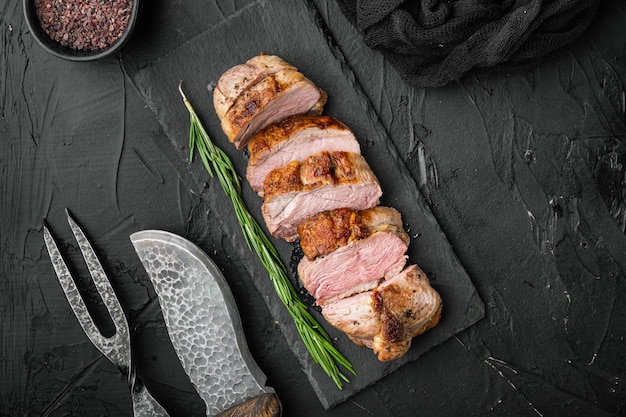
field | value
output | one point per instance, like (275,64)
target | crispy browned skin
(317,170)
(329,230)
(267,138)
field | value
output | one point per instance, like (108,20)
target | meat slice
(324,181)
(274,94)
(239,78)
(367,248)
(387,318)
(294,139)
(329,230)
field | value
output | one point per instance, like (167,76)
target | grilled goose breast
(387,318)
(322,182)
(239,78)
(251,96)
(295,139)
(318,187)
(349,251)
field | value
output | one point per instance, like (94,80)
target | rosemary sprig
(315,338)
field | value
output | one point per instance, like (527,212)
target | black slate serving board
(215,38)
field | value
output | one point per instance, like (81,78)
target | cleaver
(204,325)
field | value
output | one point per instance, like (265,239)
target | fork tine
(70,290)
(117,347)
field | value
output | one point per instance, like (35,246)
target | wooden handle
(266,405)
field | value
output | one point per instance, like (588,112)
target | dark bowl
(68,53)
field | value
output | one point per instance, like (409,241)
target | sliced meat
(356,317)
(387,318)
(329,230)
(358,266)
(294,139)
(239,78)
(274,96)
(324,181)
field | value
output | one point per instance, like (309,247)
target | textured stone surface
(523,172)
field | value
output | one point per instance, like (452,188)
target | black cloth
(433,42)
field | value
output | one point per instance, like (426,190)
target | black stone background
(523,172)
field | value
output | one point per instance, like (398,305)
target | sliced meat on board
(262,91)
(353,251)
(295,139)
(324,181)
(241,77)
(387,318)
(317,187)
(327,231)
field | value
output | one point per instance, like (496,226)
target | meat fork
(116,347)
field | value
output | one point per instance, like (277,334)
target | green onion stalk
(315,338)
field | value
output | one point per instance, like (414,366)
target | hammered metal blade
(202,320)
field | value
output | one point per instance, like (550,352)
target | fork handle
(144,404)
(266,405)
